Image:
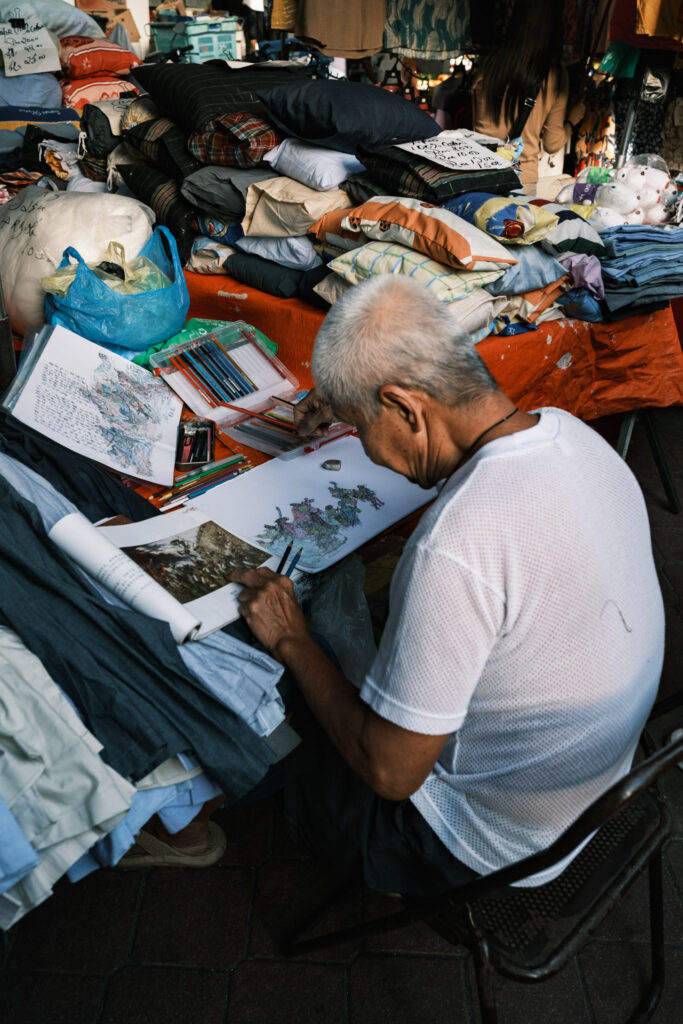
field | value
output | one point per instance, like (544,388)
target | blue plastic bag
(96,312)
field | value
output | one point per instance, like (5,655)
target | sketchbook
(173,567)
(327,502)
(98,404)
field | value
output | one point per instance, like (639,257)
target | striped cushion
(428,229)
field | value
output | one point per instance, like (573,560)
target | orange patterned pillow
(81,57)
(91,90)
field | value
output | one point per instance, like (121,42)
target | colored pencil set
(212,372)
(190,485)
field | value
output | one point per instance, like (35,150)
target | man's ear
(404,402)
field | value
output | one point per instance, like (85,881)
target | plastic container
(210,40)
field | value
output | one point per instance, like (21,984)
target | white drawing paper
(27,50)
(457,151)
(99,404)
(327,513)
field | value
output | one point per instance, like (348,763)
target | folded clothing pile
(642,268)
(300,187)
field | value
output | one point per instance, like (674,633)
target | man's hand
(313,415)
(269,607)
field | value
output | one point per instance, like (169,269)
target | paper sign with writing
(27,50)
(456,151)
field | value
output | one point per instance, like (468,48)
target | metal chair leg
(650,1000)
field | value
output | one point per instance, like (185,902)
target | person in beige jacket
(525,73)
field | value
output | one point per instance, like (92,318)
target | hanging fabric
(283,15)
(343,28)
(660,18)
(431,29)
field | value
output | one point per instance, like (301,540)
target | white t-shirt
(526,620)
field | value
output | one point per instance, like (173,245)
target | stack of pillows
(300,187)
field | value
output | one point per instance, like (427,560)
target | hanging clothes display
(343,28)
(595,144)
(660,18)
(281,15)
(431,29)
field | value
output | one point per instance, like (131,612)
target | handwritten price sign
(27,50)
(456,151)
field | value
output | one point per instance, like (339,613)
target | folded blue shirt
(534,269)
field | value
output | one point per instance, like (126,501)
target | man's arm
(393,761)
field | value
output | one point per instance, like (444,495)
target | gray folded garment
(221,191)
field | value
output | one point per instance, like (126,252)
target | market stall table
(589,369)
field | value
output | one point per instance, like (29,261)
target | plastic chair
(529,934)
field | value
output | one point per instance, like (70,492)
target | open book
(173,567)
(98,404)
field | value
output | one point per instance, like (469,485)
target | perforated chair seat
(532,932)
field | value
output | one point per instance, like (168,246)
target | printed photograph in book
(196,562)
(319,531)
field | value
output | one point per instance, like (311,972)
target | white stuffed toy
(640,192)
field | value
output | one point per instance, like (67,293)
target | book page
(99,404)
(89,547)
(192,558)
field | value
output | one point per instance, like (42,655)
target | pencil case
(225,375)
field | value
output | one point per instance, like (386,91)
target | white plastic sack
(37,226)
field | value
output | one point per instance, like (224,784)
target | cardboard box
(116,14)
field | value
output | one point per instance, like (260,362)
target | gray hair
(391,330)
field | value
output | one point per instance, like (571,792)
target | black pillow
(266,275)
(196,94)
(344,115)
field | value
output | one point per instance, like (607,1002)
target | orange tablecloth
(589,369)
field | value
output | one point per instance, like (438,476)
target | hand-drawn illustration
(320,532)
(131,406)
(197,561)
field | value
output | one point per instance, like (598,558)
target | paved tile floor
(201,947)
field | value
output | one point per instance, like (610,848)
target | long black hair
(518,67)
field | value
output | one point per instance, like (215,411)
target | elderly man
(525,636)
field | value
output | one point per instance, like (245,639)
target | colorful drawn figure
(320,532)
(130,407)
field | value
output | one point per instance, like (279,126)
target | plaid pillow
(163,143)
(378,258)
(401,173)
(239,140)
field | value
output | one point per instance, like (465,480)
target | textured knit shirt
(527,622)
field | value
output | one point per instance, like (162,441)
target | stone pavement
(186,946)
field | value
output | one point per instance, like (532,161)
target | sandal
(159,854)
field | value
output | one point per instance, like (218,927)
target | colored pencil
(196,384)
(205,373)
(209,467)
(293,563)
(285,556)
(261,416)
(244,385)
